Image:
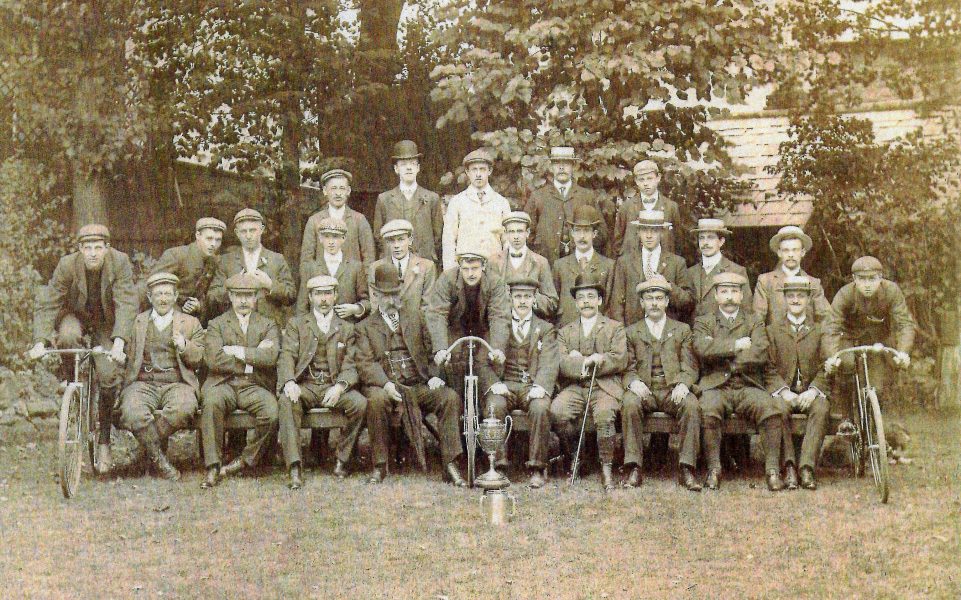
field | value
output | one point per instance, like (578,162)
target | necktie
(519,330)
(394,322)
(582,261)
(730,320)
(400,270)
(480,196)
(648,270)
(516,255)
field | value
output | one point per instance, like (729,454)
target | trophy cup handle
(510,427)
(482,499)
(513,505)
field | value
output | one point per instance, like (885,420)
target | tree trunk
(89,201)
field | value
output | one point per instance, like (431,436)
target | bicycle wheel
(93,421)
(877,447)
(73,430)
(470,426)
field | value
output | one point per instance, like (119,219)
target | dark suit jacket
(270,303)
(676,349)
(196,272)
(191,358)
(550,213)
(789,351)
(625,304)
(769,302)
(301,337)
(537,268)
(225,331)
(856,320)
(566,270)
(373,340)
(358,245)
(704,301)
(447,303)
(542,357)
(714,341)
(351,284)
(67,293)
(611,342)
(625,235)
(419,278)
(424,210)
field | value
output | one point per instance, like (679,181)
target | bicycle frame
(471,400)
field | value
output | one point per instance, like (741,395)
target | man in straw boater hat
(473,219)
(241,351)
(316,369)
(530,372)
(660,374)
(790,244)
(397,373)
(352,293)
(649,261)
(91,293)
(416,273)
(711,236)
(411,202)
(551,208)
(585,259)
(359,240)
(796,376)
(196,266)
(160,382)
(277,289)
(647,177)
(591,345)
(522,262)
(732,349)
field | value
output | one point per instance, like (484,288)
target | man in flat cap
(416,273)
(352,294)
(530,372)
(316,368)
(647,177)
(473,219)
(796,376)
(196,266)
(711,235)
(241,351)
(397,374)
(591,342)
(90,293)
(790,244)
(650,260)
(522,262)
(732,349)
(552,205)
(412,203)
(167,347)
(661,370)
(359,240)
(277,287)
(585,259)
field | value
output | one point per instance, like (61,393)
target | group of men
(586,306)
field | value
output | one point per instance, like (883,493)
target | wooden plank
(316,418)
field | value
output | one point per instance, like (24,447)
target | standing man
(412,203)
(416,273)
(795,375)
(711,235)
(394,361)
(647,176)
(316,368)
(584,229)
(650,261)
(661,370)
(592,341)
(732,348)
(522,262)
(196,266)
(473,219)
(90,293)
(530,372)
(790,244)
(552,206)
(166,349)
(270,268)
(241,352)
(359,241)
(352,294)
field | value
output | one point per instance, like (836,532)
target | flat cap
(796,283)
(162,277)
(867,264)
(322,282)
(708,225)
(396,227)
(94,232)
(563,153)
(585,215)
(471,255)
(405,149)
(657,283)
(479,155)
(790,232)
(653,219)
(586,281)
(728,279)
(336,173)
(646,166)
(332,225)
(523,283)
(243,282)
(248,214)
(210,223)
(517,216)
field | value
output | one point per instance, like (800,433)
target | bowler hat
(405,149)
(386,280)
(585,215)
(586,281)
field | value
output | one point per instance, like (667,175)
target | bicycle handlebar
(469,338)
(874,349)
(89,351)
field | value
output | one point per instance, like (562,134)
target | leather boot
(233,467)
(150,442)
(537,479)
(774,482)
(790,477)
(377,476)
(713,479)
(212,479)
(687,480)
(340,469)
(808,481)
(607,477)
(453,475)
(104,463)
(296,481)
(634,478)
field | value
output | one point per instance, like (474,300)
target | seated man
(393,359)
(795,374)
(521,261)
(241,354)
(352,303)
(316,368)
(592,341)
(530,372)
(731,345)
(167,346)
(660,373)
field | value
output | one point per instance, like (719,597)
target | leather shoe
(774,482)
(634,478)
(713,480)
(607,477)
(687,479)
(453,475)
(340,469)
(212,479)
(808,481)
(537,479)
(296,481)
(790,477)
(103,463)
(232,468)
(377,476)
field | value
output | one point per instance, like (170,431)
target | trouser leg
(379,406)
(178,405)
(539,430)
(604,409)
(712,413)
(814,432)
(566,412)
(787,439)
(445,403)
(217,401)
(354,405)
(632,426)
(688,414)
(764,410)
(289,417)
(262,404)
(109,376)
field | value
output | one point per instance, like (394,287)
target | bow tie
(516,255)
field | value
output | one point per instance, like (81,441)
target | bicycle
(868,437)
(471,407)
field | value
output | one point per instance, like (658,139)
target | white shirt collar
(323,321)
(732,315)
(244,321)
(653,255)
(796,320)
(408,190)
(403,262)
(790,273)
(589,255)
(385,315)
(163,322)
(528,318)
(252,259)
(710,262)
(337,213)
(488,193)
(516,261)
(562,188)
(333,261)
(587,325)
(656,327)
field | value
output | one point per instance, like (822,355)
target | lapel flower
(415,270)
(341,345)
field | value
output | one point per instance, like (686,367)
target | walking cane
(580,439)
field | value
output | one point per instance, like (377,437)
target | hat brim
(577,288)
(574,158)
(664,225)
(779,237)
(654,288)
(395,158)
(386,290)
(92,238)
(698,230)
(583,223)
(785,289)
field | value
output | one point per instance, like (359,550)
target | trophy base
(492,480)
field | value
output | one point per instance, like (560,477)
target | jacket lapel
(80,279)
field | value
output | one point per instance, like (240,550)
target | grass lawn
(414,537)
